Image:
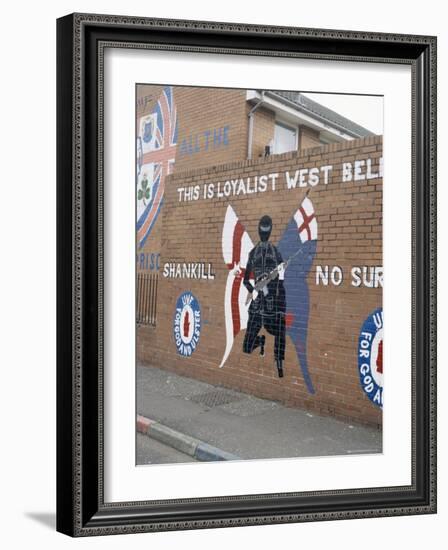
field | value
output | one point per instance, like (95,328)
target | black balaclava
(264,228)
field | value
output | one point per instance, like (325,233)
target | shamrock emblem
(144,193)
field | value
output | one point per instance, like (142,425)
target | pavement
(151,451)
(206,422)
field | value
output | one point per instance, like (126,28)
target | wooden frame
(81,39)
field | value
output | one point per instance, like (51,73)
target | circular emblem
(370,357)
(187,324)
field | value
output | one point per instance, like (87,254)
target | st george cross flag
(236,245)
(306,221)
(299,242)
(156,153)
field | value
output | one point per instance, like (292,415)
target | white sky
(364,110)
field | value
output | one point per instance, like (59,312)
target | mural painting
(276,293)
(156,155)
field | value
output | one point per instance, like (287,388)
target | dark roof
(324,114)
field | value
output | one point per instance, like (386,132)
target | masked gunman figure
(268,308)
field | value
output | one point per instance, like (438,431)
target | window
(285,138)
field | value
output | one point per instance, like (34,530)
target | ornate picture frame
(81,43)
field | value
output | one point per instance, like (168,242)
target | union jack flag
(156,154)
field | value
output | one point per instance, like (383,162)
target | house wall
(308,137)
(263,131)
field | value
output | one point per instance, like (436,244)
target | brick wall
(349,215)
(308,137)
(263,131)
(203,114)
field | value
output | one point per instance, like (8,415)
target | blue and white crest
(187,324)
(148,130)
(370,357)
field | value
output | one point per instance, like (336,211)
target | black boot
(262,341)
(279,363)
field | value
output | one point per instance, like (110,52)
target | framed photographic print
(246,260)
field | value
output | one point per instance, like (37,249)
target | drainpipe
(251,125)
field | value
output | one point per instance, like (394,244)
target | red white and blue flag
(156,154)
(298,245)
(236,245)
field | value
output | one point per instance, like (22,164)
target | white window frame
(288,126)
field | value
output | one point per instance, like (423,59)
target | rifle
(262,283)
